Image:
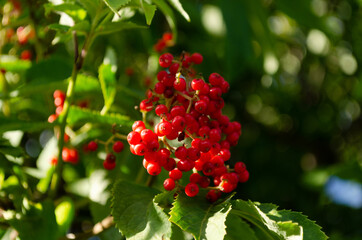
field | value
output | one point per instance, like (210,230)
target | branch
(97,229)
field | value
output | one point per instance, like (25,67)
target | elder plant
(85,174)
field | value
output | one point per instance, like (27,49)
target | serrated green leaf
(8,124)
(177,5)
(251,213)
(115,5)
(64,214)
(13,64)
(170,17)
(76,12)
(113,27)
(293,230)
(107,79)
(200,218)
(311,231)
(136,214)
(149,12)
(237,228)
(77,114)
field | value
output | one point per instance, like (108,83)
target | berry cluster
(110,161)
(191,133)
(164,42)
(59,97)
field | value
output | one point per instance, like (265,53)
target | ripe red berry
(244,176)
(178,123)
(161,109)
(154,169)
(146,105)
(148,136)
(212,196)
(175,174)
(197,84)
(195,178)
(174,68)
(164,128)
(159,88)
(191,189)
(204,182)
(181,152)
(52,118)
(179,84)
(140,149)
(92,146)
(196,58)
(138,124)
(169,184)
(170,164)
(165,60)
(201,106)
(70,155)
(215,79)
(118,146)
(134,138)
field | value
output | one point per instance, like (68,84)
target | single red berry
(109,165)
(170,164)
(178,111)
(195,178)
(215,93)
(185,165)
(154,169)
(208,169)
(178,123)
(70,155)
(179,84)
(215,135)
(167,36)
(205,146)
(197,84)
(204,182)
(244,176)
(181,152)
(215,79)
(92,146)
(212,196)
(227,186)
(161,109)
(140,149)
(147,135)
(58,101)
(191,189)
(164,128)
(196,58)
(118,146)
(59,94)
(59,110)
(239,167)
(52,118)
(138,124)
(225,86)
(225,154)
(175,174)
(174,68)
(159,88)
(193,154)
(201,106)
(165,60)
(146,105)
(169,184)
(195,143)
(134,138)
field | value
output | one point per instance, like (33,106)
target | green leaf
(36,222)
(59,27)
(149,12)
(311,231)
(170,17)
(115,5)
(107,79)
(64,214)
(13,64)
(237,228)
(113,27)
(76,12)
(83,27)
(136,214)
(197,216)
(250,212)
(77,114)
(177,5)
(8,124)
(91,6)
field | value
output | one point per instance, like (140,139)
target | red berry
(52,118)
(161,109)
(138,124)
(169,184)
(92,146)
(212,196)
(170,164)
(178,123)
(134,138)
(181,152)
(204,182)
(146,105)
(178,111)
(227,186)
(159,88)
(179,84)
(164,128)
(165,60)
(195,178)
(196,58)
(244,176)
(109,165)
(215,79)
(175,174)
(140,149)
(201,106)
(197,84)
(59,94)
(154,169)
(174,68)
(191,189)
(239,167)
(148,136)
(70,155)
(118,146)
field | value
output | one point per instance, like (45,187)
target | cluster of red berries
(59,97)
(110,161)
(192,134)
(164,42)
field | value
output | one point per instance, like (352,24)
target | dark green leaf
(37,222)
(236,229)
(77,114)
(6,148)
(8,124)
(197,216)
(115,5)
(149,12)
(137,215)
(177,5)
(117,26)
(59,27)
